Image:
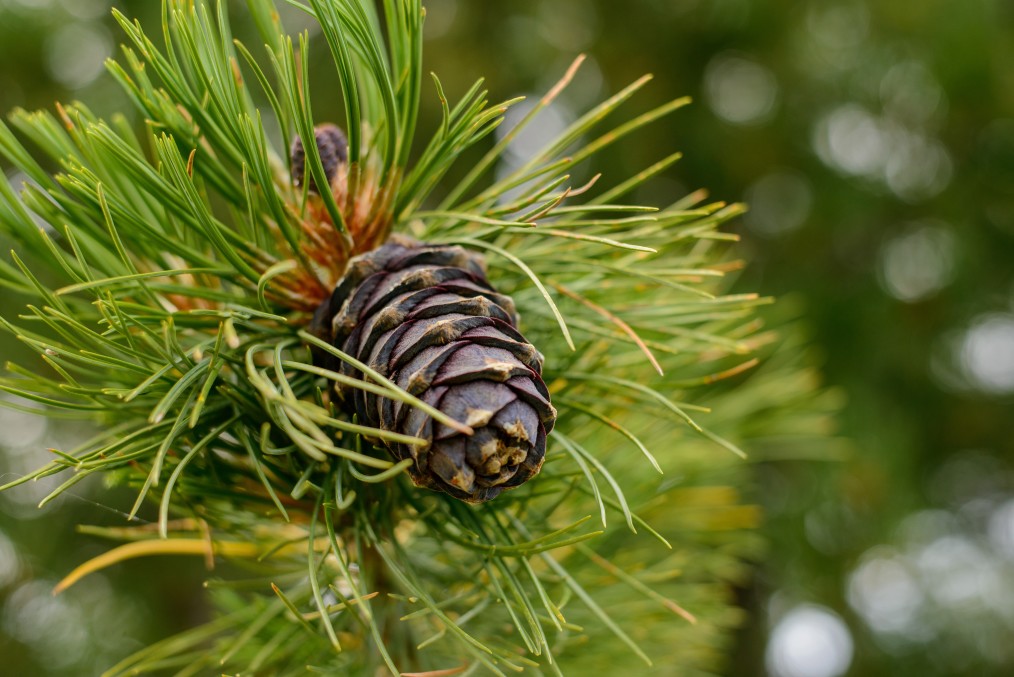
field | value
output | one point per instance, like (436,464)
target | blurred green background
(874,142)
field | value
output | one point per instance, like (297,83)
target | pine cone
(427,318)
(333,148)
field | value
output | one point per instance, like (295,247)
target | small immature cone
(333,148)
(427,318)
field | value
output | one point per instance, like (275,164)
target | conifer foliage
(269,363)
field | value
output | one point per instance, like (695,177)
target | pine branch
(170,298)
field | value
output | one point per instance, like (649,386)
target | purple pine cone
(333,148)
(427,318)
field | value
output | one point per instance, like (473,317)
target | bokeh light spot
(885,592)
(910,92)
(21,429)
(76,54)
(849,139)
(10,562)
(85,9)
(838,26)
(956,566)
(1001,529)
(779,202)
(809,641)
(917,167)
(740,90)
(986,353)
(550,121)
(33,616)
(856,142)
(917,263)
